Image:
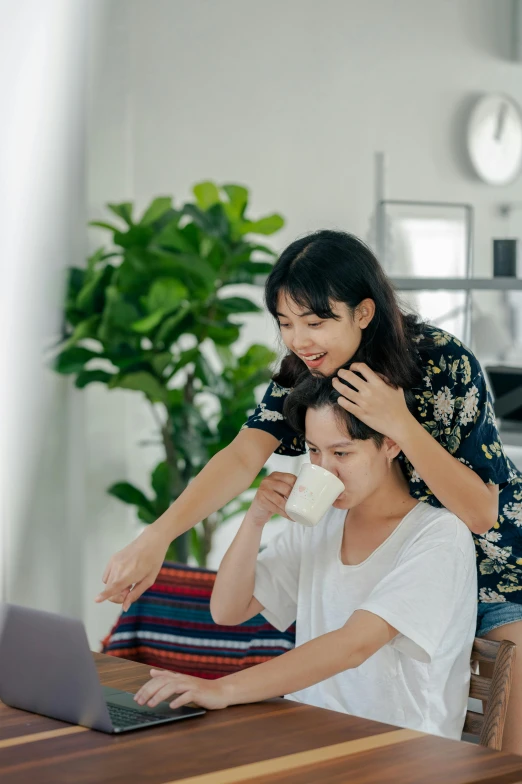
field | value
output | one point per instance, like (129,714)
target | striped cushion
(170,626)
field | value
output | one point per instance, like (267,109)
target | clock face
(495,139)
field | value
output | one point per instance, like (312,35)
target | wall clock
(495,139)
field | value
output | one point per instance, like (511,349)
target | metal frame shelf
(457,284)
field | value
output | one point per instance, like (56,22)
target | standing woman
(334,305)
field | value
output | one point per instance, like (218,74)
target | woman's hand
(271,497)
(164,685)
(134,569)
(374,401)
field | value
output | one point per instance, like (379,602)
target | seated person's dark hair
(317,392)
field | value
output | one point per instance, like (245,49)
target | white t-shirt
(422,580)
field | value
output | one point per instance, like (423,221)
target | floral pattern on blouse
(454,405)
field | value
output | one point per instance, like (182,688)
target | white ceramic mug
(312,495)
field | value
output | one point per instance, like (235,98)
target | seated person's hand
(271,497)
(164,685)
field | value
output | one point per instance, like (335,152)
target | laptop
(46,667)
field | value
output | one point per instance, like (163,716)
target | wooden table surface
(276,741)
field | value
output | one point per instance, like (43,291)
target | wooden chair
(498,658)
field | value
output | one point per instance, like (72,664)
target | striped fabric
(170,626)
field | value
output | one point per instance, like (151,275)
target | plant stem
(177,483)
(210,524)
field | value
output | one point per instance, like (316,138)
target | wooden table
(276,741)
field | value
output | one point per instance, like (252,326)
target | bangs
(310,276)
(311,295)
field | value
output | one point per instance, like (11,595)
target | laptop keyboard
(127,717)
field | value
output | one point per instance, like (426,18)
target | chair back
(493,691)
(170,627)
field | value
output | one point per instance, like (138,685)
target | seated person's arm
(233,600)
(361,636)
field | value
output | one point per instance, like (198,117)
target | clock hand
(501,121)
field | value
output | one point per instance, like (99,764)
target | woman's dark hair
(317,392)
(332,266)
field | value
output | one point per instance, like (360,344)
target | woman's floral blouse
(454,405)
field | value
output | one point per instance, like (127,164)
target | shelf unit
(457,284)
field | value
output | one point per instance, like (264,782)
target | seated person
(383,589)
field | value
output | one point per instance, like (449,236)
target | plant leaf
(144,382)
(161,361)
(148,323)
(174,238)
(223,334)
(173,263)
(123,211)
(88,328)
(171,323)
(268,225)
(118,315)
(91,297)
(90,376)
(97,257)
(207,194)
(103,225)
(249,271)
(212,221)
(135,237)
(73,359)
(160,481)
(130,494)
(238,200)
(238,305)
(156,209)
(185,358)
(147,516)
(165,294)
(226,356)
(205,372)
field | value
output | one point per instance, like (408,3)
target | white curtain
(42,88)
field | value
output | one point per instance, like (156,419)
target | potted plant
(151,314)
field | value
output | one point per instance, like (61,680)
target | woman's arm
(456,486)
(233,601)
(363,635)
(384,409)
(228,474)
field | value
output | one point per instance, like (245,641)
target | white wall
(291,98)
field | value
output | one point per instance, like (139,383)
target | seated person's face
(361,465)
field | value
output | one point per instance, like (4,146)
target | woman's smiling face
(324,345)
